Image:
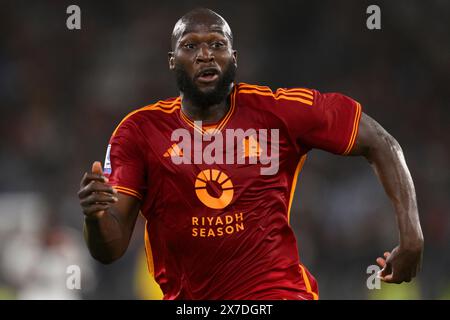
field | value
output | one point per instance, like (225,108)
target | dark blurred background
(62,92)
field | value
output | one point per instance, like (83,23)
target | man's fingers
(385,265)
(97,168)
(387,278)
(88,177)
(95,186)
(95,174)
(95,198)
(395,277)
(381,262)
(387,269)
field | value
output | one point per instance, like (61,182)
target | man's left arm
(386,158)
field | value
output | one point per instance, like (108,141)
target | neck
(207,114)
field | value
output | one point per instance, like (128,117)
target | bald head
(200,17)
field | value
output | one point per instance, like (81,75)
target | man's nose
(204,54)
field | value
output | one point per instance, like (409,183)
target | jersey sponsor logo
(223,225)
(107,166)
(215,190)
(216,182)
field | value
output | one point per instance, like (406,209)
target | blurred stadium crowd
(63,92)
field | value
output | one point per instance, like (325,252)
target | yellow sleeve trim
(292,96)
(354,130)
(308,284)
(148,252)
(299,167)
(128,191)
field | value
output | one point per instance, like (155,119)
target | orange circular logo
(218,182)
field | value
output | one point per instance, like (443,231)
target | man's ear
(171,60)
(235,57)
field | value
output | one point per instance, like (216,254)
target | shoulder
(251,92)
(160,110)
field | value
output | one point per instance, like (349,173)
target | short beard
(205,99)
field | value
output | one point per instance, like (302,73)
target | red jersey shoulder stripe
(244,86)
(298,92)
(304,96)
(164,106)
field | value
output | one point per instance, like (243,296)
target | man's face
(204,63)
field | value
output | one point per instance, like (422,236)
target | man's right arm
(110,216)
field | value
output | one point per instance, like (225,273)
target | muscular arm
(110,217)
(386,158)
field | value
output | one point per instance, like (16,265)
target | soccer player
(217,208)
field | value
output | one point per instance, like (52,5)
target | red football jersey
(220,229)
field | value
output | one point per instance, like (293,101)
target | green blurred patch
(445,294)
(7,294)
(404,291)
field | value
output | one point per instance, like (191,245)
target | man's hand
(400,264)
(386,157)
(110,216)
(96,196)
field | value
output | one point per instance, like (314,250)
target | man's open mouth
(208,75)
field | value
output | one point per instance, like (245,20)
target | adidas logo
(173,151)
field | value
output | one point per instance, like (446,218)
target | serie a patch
(107,165)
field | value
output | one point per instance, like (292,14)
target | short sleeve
(125,162)
(326,121)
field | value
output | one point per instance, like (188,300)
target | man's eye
(189,46)
(217,45)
